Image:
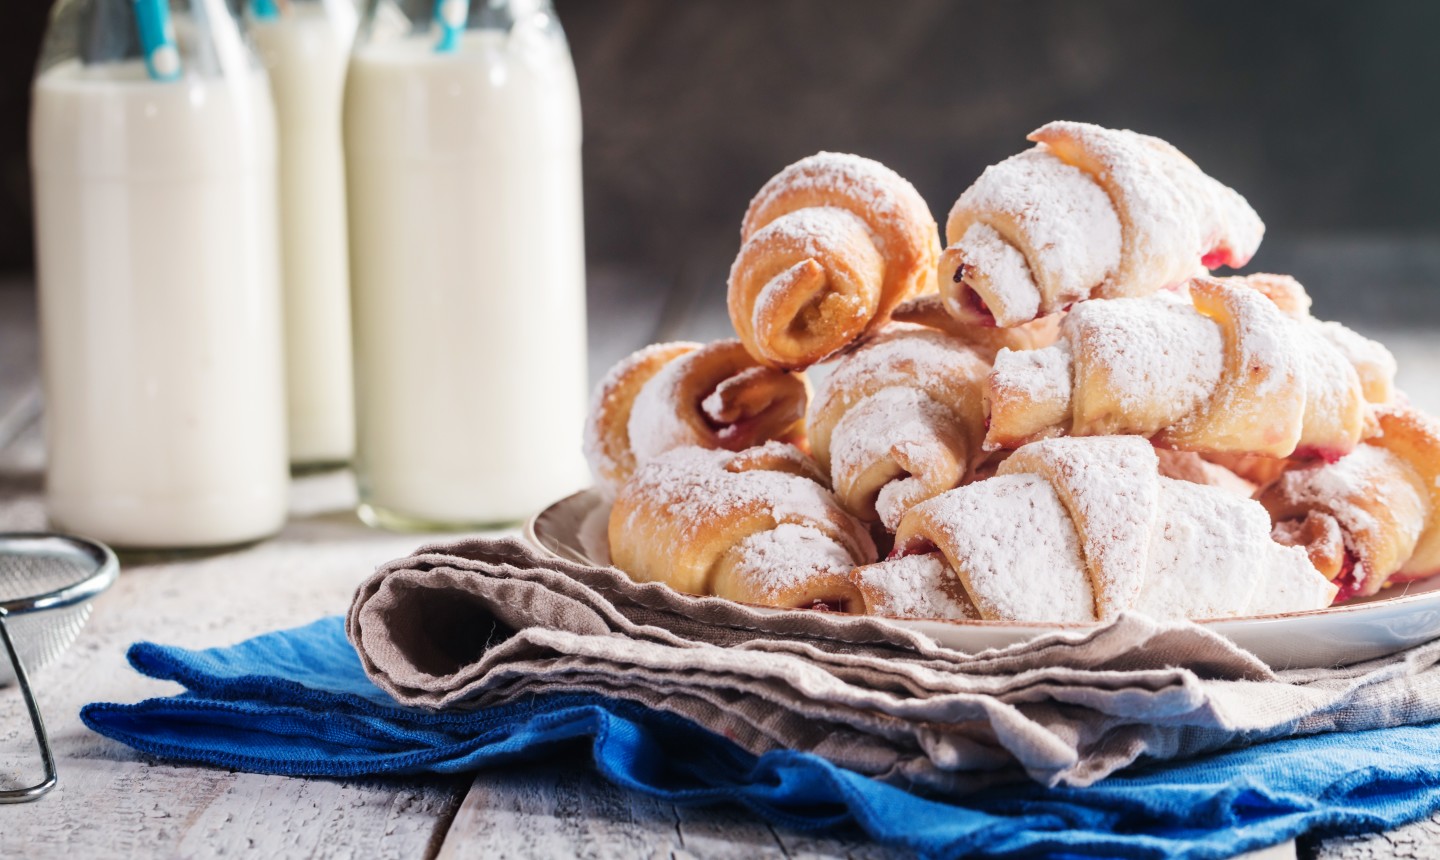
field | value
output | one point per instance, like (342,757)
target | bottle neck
(174,39)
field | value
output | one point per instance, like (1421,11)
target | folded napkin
(481,623)
(297,702)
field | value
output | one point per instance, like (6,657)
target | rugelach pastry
(1089,212)
(756,526)
(668,395)
(1074,530)
(1373,517)
(1220,370)
(899,420)
(828,248)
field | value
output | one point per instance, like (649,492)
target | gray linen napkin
(481,622)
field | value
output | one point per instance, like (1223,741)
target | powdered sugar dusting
(1371,360)
(1157,365)
(1109,486)
(1172,213)
(1030,395)
(606,435)
(870,183)
(1364,475)
(1261,340)
(1015,548)
(914,586)
(1154,354)
(1012,296)
(1067,229)
(1197,552)
(693,489)
(903,356)
(776,562)
(656,425)
(1212,556)
(1037,375)
(816,230)
(898,431)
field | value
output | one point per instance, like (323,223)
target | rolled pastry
(1373,517)
(829,246)
(673,394)
(756,526)
(1224,371)
(1089,212)
(900,420)
(1074,530)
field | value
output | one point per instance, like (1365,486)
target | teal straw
(157,39)
(452,15)
(265,9)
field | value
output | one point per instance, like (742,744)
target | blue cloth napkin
(297,702)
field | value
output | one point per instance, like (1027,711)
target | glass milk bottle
(462,144)
(153,160)
(305,45)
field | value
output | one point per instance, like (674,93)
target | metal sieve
(46,584)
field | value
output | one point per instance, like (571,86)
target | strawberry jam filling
(1346,579)
(736,434)
(915,546)
(1329,455)
(833,605)
(1217,257)
(977,306)
(972,300)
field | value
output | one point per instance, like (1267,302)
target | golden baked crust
(829,246)
(670,395)
(1217,369)
(930,311)
(900,420)
(1372,517)
(607,428)
(754,526)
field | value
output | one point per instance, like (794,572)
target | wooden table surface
(113,802)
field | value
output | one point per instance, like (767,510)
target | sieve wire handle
(47,755)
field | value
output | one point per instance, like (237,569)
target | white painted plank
(113,802)
(1417,841)
(555,810)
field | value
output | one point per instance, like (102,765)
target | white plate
(574,529)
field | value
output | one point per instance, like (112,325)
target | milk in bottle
(462,141)
(304,45)
(157,269)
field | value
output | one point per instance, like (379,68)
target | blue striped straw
(452,15)
(157,39)
(265,9)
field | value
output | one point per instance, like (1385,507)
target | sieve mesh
(46,584)
(32,566)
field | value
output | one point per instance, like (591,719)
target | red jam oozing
(977,306)
(1346,580)
(1218,256)
(838,605)
(1329,455)
(736,434)
(971,300)
(916,546)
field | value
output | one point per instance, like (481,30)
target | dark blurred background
(1324,114)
